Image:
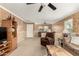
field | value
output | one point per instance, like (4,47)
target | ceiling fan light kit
(42,6)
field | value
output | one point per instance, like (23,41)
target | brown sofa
(48,39)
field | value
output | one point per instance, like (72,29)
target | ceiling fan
(42,6)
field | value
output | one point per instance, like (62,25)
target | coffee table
(57,51)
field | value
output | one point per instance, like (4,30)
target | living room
(42,33)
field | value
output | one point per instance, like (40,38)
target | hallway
(30,47)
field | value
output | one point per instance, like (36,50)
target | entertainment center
(8,36)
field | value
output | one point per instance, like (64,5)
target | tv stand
(11,44)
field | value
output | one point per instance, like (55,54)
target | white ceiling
(30,12)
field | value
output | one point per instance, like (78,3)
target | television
(3,34)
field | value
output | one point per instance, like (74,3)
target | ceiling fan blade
(30,3)
(41,7)
(52,6)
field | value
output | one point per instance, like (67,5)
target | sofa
(72,45)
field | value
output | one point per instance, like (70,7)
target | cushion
(67,40)
(43,34)
(76,47)
(75,40)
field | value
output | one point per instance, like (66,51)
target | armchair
(48,39)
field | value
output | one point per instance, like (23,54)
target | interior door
(30,30)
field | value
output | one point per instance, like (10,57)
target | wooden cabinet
(11,26)
(57,51)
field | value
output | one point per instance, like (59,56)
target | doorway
(30,30)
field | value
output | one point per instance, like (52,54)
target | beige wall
(21,28)
(76,22)
(59,26)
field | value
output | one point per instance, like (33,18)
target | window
(68,25)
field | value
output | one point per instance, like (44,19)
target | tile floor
(30,47)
